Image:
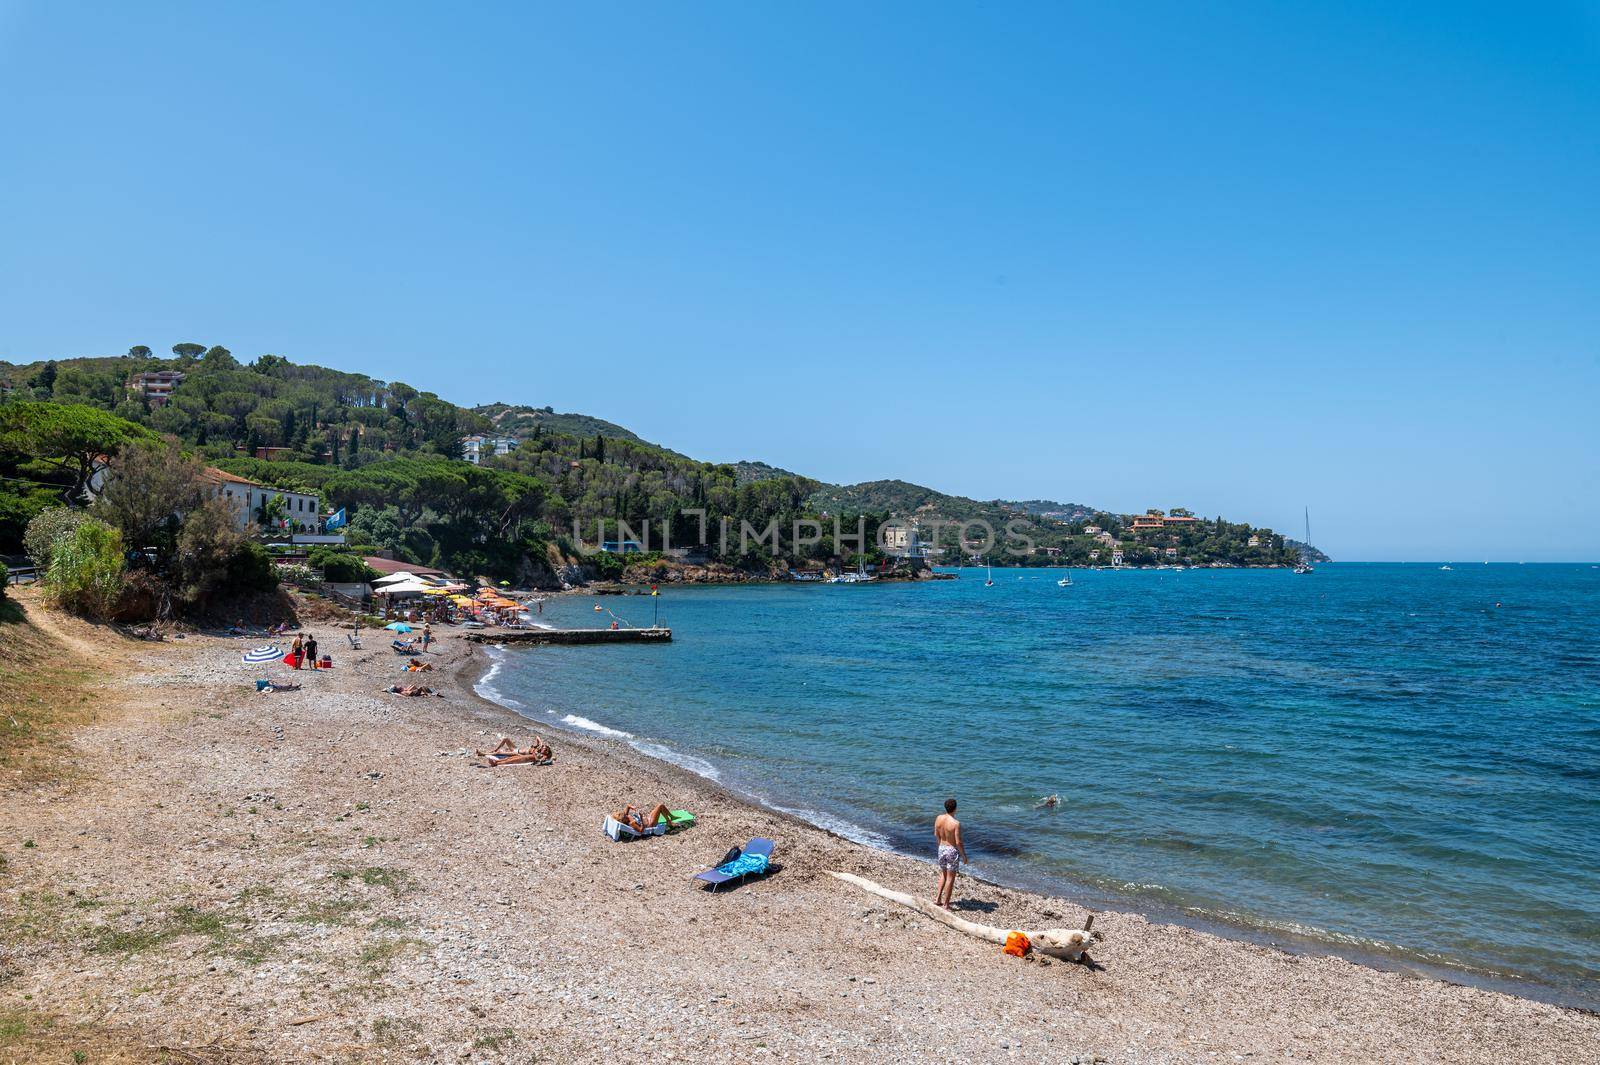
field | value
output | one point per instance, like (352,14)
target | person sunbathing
(419,667)
(507,753)
(635,817)
(411,689)
(272,687)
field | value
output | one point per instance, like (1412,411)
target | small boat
(1064,582)
(1303,566)
(1447,566)
(989,582)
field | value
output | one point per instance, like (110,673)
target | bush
(251,570)
(86,569)
(5,578)
(45,529)
(213,558)
(340,567)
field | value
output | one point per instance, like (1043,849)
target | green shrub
(340,567)
(251,570)
(86,569)
(45,529)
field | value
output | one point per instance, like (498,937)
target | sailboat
(1065,582)
(989,582)
(1303,566)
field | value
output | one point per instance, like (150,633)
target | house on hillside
(265,454)
(475,449)
(1254,541)
(156,386)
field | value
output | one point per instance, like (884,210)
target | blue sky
(1243,258)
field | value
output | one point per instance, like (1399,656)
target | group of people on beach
(304,648)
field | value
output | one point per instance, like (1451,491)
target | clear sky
(1239,257)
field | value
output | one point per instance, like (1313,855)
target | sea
(1398,763)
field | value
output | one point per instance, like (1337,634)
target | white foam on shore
(594,726)
(486,686)
(837,825)
(698,766)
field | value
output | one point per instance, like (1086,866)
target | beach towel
(1017,945)
(745,865)
(754,860)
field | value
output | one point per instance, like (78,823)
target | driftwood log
(1068,943)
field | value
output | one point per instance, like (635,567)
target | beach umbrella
(257,655)
(398,626)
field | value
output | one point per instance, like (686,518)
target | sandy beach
(324,875)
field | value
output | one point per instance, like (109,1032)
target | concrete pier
(571,636)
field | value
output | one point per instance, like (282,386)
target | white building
(477,448)
(903,540)
(301,513)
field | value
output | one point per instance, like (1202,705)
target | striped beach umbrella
(269,653)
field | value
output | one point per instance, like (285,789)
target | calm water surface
(1391,761)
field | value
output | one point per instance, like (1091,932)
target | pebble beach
(325,875)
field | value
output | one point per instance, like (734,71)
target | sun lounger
(753,860)
(619,831)
(355,642)
(402,648)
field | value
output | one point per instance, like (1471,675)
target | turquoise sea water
(1391,761)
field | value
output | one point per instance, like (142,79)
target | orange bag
(1017,945)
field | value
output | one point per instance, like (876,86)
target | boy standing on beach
(947,832)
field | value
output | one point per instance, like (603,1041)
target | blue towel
(744,865)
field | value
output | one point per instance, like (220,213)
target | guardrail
(22,575)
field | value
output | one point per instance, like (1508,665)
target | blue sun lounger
(753,860)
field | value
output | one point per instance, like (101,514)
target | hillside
(1049,508)
(388,453)
(511,419)
(748,472)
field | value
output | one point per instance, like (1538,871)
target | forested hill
(389,453)
(509,419)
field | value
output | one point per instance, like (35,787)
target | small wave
(594,726)
(837,825)
(698,766)
(486,686)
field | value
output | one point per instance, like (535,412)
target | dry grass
(44,691)
(39,1039)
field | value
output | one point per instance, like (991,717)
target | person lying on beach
(635,817)
(415,666)
(506,753)
(411,689)
(278,688)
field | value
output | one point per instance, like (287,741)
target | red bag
(1017,945)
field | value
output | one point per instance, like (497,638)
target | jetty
(571,636)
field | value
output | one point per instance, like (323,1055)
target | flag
(336,520)
(653,590)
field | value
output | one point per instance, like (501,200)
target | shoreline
(321,875)
(475,671)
